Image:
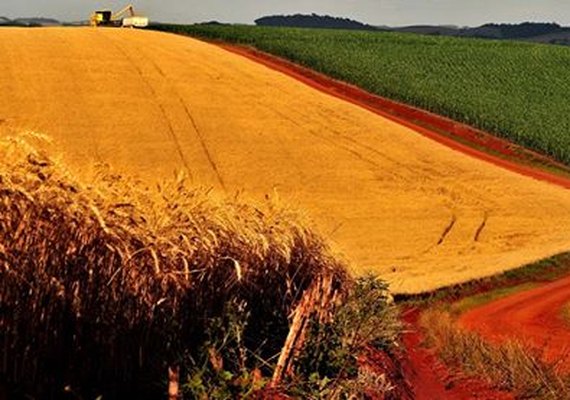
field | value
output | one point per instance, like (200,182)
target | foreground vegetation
(513,89)
(511,366)
(106,286)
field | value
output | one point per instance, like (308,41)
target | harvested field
(392,201)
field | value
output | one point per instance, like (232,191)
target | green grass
(481,299)
(516,90)
(479,291)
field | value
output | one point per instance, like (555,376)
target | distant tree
(213,23)
(313,21)
(524,30)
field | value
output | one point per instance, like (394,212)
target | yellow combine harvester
(125,17)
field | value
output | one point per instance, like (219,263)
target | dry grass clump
(106,284)
(511,366)
(566,314)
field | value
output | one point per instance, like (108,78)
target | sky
(375,12)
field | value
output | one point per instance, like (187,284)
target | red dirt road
(431,379)
(440,129)
(533,316)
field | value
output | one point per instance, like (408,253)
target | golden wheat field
(390,201)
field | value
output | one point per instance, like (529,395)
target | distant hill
(561,38)
(38,21)
(8,22)
(515,31)
(214,23)
(29,22)
(550,33)
(529,31)
(313,21)
(427,30)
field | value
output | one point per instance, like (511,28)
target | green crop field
(520,91)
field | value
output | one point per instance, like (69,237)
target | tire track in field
(475,199)
(361,148)
(358,147)
(331,136)
(444,234)
(209,67)
(326,138)
(346,138)
(447,230)
(373,165)
(407,116)
(192,120)
(202,141)
(78,98)
(189,117)
(481,227)
(160,106)
(349,144)
(333,139)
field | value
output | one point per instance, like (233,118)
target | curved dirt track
(392,201)
(533,316)
(431,379)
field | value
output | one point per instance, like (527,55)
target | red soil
(432,380)
(533,316)
(452,134)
